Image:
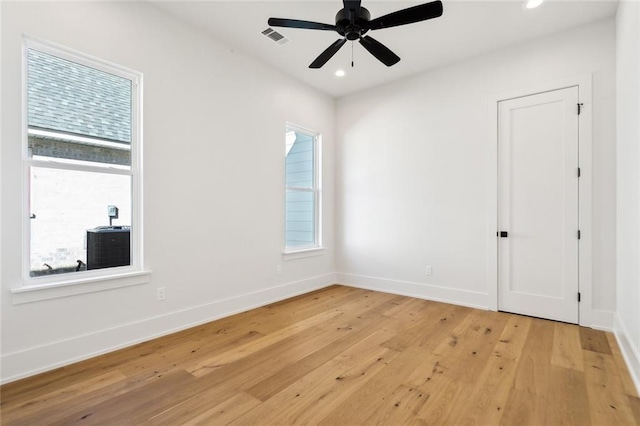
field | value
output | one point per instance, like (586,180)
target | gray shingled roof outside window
(72,98)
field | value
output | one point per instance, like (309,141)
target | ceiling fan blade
(408,16)
(296,23)
(328,53)
(380,51)
(353,9)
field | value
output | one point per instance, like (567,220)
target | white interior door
(538,205)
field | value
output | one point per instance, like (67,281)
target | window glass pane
(68,209)
(77,112)
(299,162)
(300,214)
(77,99)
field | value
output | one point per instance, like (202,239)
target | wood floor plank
(449,317)
(128,408)
(534,368)
(226,412)
(419,331)
(292,372)
(192,351)
(414,359)
(567,402)
(491,390)
(58,398)
(258,366)
(607,400)
(408,309)
(594,340)
(567,349)
(528,398)
(524,409)
(634,403)
(252,369)
(235,353)
(455,364)
(199,411)
(288,311)
(245,371)
(463,354)
(444,399)
(86,401)
(357,408)
(344,356)
(314,395)
(324,319)
(402,405)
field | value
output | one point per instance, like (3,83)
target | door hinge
(580,108)
(579,234)
(579,297)
(578,171)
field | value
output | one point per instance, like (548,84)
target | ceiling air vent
(275,36)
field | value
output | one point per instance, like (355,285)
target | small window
(303,195)
(82,163)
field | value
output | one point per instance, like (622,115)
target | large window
(82,166)
(302,177)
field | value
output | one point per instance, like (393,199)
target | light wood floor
(343,356)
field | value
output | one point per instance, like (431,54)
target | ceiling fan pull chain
(351,53)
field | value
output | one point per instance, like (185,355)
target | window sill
(301,254)
(75,287)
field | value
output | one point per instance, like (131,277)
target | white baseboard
(630,353)
(454,296)
(25,363)
(600,320)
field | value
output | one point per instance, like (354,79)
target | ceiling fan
(354,21)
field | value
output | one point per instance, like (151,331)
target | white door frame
(585,283)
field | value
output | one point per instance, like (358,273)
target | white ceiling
(466,29)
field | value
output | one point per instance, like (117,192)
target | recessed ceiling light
(340,73)
(532,4)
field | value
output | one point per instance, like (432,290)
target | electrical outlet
(160,293)
(279,269)
(428,270)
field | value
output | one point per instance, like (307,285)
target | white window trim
(72,287)
(316,249)
(302,253)
(63,285)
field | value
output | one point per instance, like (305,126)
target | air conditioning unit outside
(108,247)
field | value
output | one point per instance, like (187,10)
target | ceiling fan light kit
(532,4)
(354,21)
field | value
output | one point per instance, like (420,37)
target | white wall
(413,160)
(214,123)
(628,233)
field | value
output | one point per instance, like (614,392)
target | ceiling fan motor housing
(352,31)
